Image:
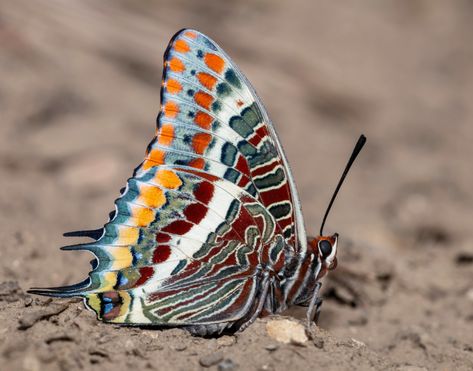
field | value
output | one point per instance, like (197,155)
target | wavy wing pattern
(211,206)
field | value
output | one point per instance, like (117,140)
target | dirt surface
(79,91)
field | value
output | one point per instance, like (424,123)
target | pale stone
(286,331)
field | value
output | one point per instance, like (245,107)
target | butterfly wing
(211,118)
(211,202)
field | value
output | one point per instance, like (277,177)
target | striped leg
(314,306)
(261,300)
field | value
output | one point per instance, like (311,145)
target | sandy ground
(79,91)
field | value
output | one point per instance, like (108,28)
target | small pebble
(180,347)
(318,342)
(286,331)
(271,347)
(227,365)
(211,359)
(226,341)
(357,343)
(28,301)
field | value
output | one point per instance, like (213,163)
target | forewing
(212,119)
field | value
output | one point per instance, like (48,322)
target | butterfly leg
(269,305)
(314,305)
(265,283)
(274,299)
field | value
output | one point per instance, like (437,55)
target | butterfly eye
(325,248)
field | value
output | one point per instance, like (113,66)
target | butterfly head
(325,247)
(321,257)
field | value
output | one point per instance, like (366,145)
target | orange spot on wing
(173,86)
(181,46)
(203,99)
(197,163)
(190,34)
(155,157)
(142,216)
(176,65)
(171,109)
(168,179)
(147,165)
(214,62)
(200,142)
(151,196)
(166,134)
(206,80)
(203,119)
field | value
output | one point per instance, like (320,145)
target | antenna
(358,146)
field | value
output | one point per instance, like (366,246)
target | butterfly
(208,233)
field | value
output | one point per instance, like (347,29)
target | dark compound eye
(325,248)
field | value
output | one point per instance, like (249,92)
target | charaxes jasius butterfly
(208,233)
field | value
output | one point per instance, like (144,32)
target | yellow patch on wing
(93,302)
(122,257)
(127,235)
(108,281)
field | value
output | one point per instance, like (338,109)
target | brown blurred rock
(36,315)
(10,292)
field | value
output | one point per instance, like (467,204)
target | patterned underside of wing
(211,120)
(210,203)
(179,236)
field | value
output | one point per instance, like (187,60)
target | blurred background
(79,93)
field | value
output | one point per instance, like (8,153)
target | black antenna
(358,146)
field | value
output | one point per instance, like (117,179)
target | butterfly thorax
(304,272)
